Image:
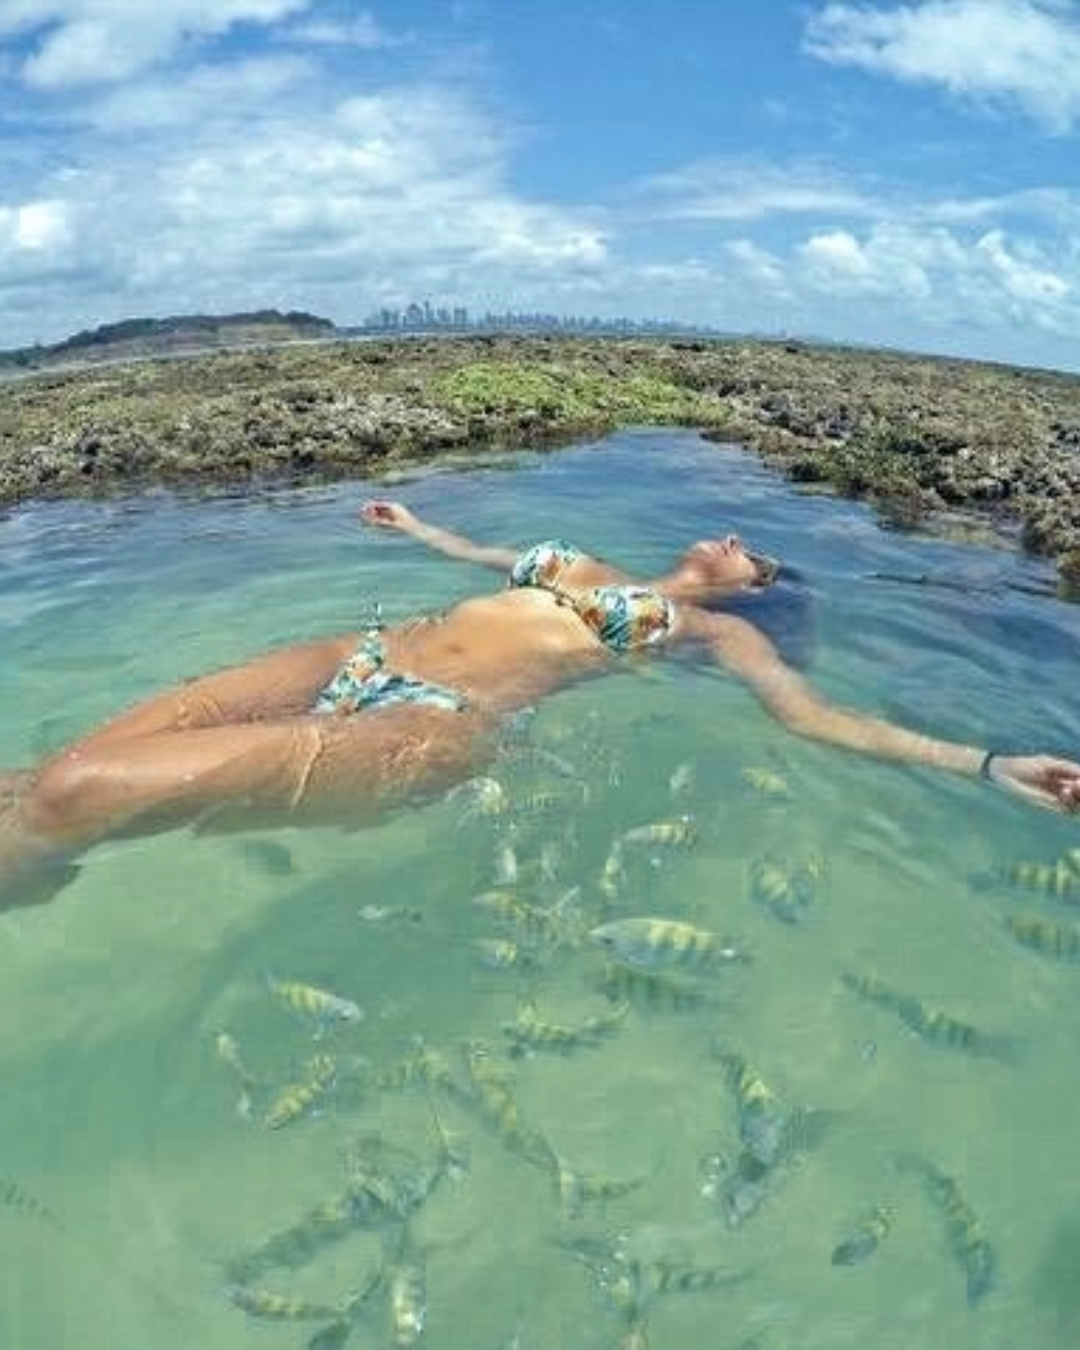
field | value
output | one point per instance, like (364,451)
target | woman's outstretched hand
(1041,779)
(388,516)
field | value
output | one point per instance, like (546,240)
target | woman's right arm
(394,516)
(1043,780)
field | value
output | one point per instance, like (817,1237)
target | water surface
(130,1186)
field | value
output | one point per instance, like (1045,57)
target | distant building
(423,316)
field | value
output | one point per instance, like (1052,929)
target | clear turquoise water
(120,1119)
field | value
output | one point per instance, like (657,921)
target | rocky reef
(919,436)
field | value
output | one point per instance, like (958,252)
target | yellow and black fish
(576,1189)
(265,1305)
(407,1295)
(931,1025)
(336,1333)
(766,781)
(671,1277)
(506,953)
(1060,880)
(297,1099)
(613,874)
(495,1098)
(785,890)
(677,833)
(966,1238)
(434,1070)
(868,1234)
(387,1182)
(16,1198)
(1049,939)
(299,1243)
(228,1051)
(318,1006)
(529,1032)
(548,922)
(653,992)
(745,1188)
(660,944)
(764,1122)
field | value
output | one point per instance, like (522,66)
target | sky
(903,175)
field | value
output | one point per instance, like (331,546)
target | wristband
(985,769)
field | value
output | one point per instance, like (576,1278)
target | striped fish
(678,833)
(407,1296)
(263,1304)
(868,1234)
(670,1277)
(298,1244)
(965,1234)
(318,1006)
(763,1121)
(576,1189)
(1049,939)
(228,1051)
(297,1099)
(505,954)
(529,1031)
(651,992)
(14,1197)
(659,944)
(1060,880)
(933,1026)
(766,781)
(782,890)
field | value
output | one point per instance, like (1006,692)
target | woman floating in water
(345,728)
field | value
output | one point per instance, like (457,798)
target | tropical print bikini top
(622,617)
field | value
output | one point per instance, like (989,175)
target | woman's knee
(66,796)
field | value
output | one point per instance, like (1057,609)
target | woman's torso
(510,648)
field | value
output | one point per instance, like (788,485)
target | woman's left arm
(395,516)
(740,648)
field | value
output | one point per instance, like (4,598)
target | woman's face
(726,564)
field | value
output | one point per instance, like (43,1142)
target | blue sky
(903,174)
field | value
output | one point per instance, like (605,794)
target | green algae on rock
(918,435)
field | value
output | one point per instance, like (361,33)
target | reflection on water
(825,1098)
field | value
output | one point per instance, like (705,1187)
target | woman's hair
(783,611)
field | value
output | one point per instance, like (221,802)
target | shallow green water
(130,1186)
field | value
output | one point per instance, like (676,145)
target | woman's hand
(389,516)
(1041,779)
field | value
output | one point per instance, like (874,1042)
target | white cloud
(362,30)
(1028,281)
(1020,53)
(85,42)
(201,100)
(939,276)
(40,227)
(756,264)
(837,257)
(375,198)
(746,190)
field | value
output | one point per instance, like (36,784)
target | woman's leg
(302,769)
(278,685)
